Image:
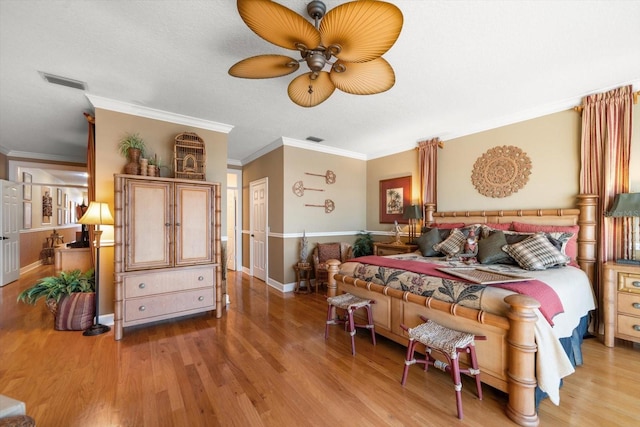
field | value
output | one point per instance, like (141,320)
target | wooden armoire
(167,249)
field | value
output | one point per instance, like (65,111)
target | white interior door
(10,218)
(258,228)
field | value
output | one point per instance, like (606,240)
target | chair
(449,343)
(349,303)
(323,252)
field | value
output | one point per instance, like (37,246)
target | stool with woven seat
(449,343)
(349,303)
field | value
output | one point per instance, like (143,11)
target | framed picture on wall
(59,197)
(47,205)
(26,215)
(60,216)
(26,185)
(395,195)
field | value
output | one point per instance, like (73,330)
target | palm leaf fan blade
(364,29)
(264,67)
(308,92)
(366,78)
(278,24)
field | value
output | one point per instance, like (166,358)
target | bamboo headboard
(584,215)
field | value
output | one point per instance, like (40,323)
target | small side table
(391,248)
(303,274)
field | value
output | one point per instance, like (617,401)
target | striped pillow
(536,253)
(453,244)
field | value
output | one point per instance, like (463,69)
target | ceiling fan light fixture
(316,61)
(350,38)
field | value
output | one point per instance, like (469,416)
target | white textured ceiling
(461,67)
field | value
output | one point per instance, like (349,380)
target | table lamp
(97,214)
(413,213)
(628,205)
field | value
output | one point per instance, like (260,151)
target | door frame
(238,216)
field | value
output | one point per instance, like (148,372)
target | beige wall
(159,138)
(394,166)
(288,215)
(270,166)
(552,143)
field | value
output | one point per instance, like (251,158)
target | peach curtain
(428,168)
(605,151)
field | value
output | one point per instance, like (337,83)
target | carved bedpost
(429,209)
(587,237)
(521,355)
(333,266)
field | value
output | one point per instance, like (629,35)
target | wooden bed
(507,360)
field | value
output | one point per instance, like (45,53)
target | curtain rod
(636,96)
(440,145)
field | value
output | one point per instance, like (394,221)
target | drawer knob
(636,305)
(636,283)
(142,285)
(167,224)
(636,328)
(200,298)
(200,278)
(142,308)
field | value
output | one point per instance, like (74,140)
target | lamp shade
(625,205)
(98,213)
(412,212)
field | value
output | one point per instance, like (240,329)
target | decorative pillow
(571,248)
(327,251)
(490,249)
(453,244)
(75,312)
(428,240)
(536,253)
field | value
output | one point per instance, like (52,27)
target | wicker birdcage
(190,159)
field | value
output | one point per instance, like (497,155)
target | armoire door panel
(193,233)
(149,225)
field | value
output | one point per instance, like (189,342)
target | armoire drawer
(170,303)
(159,282)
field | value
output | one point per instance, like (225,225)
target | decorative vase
(144,166)
(133,167)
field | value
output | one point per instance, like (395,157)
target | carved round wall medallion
(501,171)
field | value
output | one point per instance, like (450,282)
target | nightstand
(621,302)
(381,249)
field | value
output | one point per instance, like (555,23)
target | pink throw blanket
(550,304)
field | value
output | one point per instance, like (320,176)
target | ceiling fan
(350,40)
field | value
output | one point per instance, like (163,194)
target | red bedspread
(550,304)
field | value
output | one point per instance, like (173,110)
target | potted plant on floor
(69,296)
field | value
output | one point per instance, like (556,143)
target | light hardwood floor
(266,363)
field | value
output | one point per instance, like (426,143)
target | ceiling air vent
(314,139)
(63,81)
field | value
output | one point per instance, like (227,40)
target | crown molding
(27,155)
(152,113)
(313,146)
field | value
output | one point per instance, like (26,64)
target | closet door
(194,224)
(148,228)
